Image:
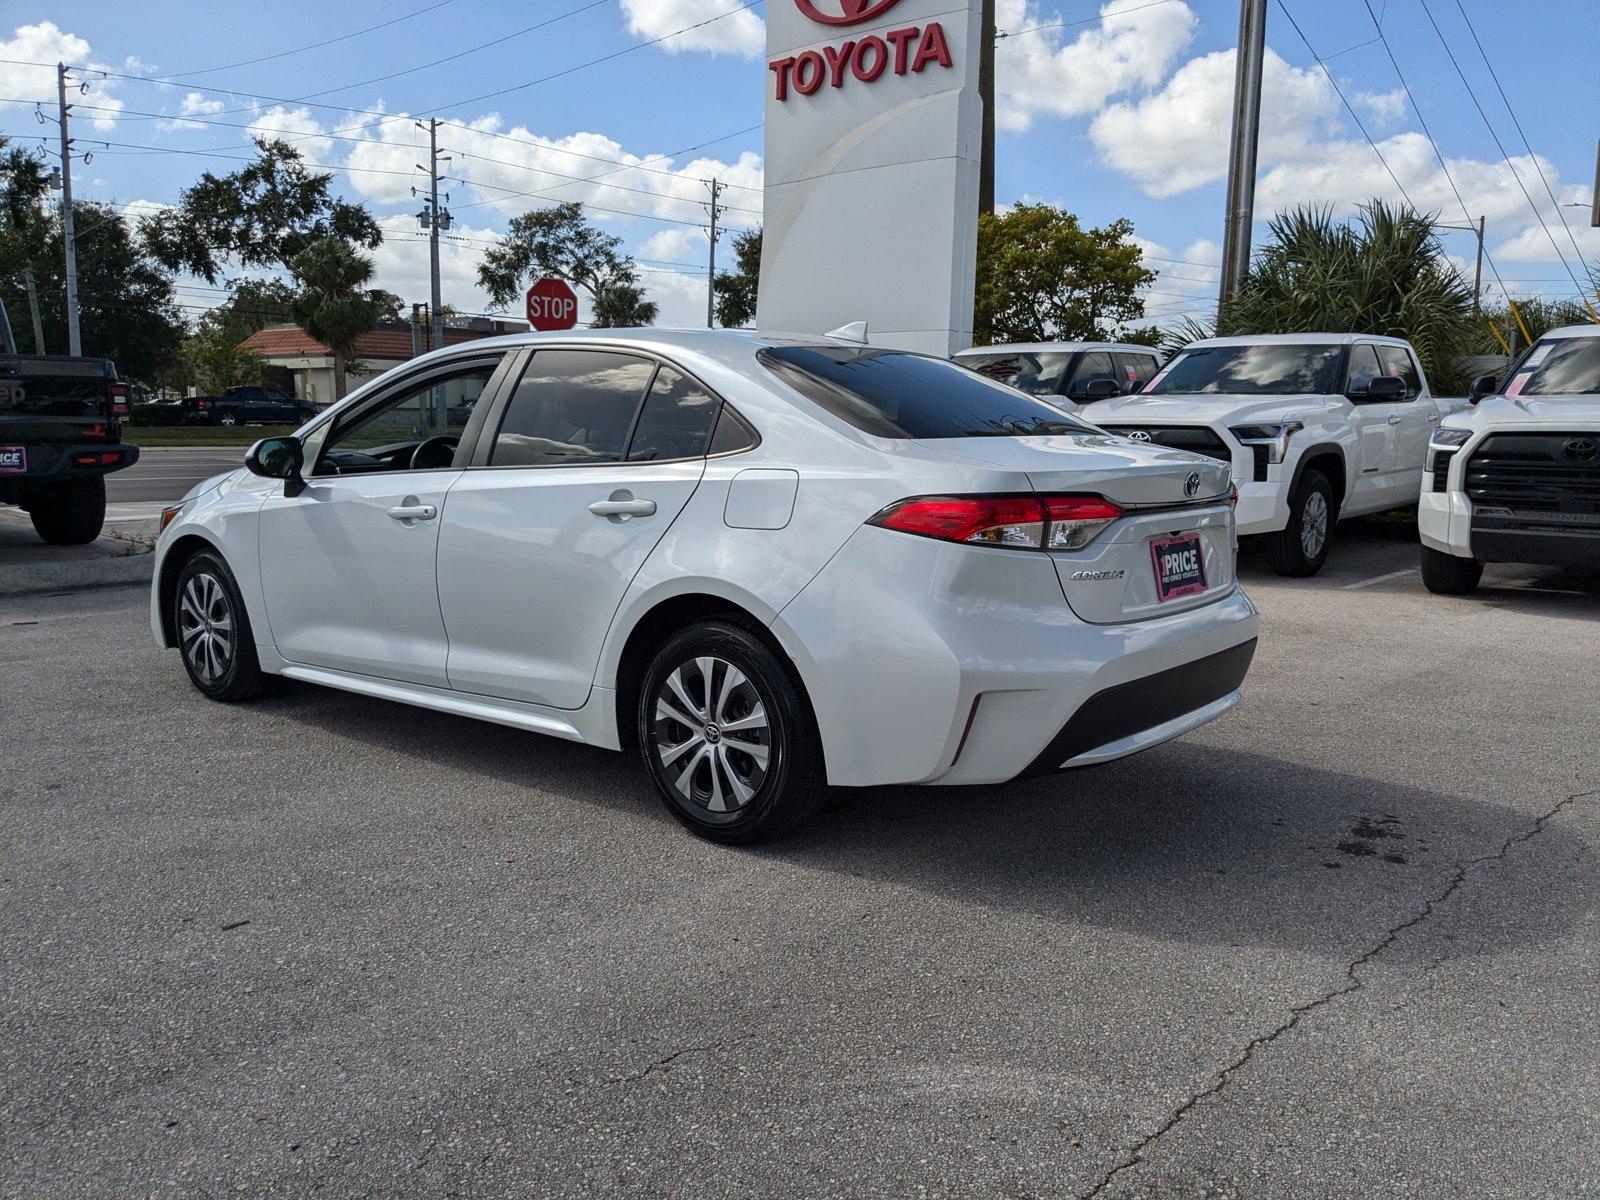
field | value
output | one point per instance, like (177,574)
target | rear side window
(676,421)
(894,394)
(1137,370)
(1397,361)
(571,406)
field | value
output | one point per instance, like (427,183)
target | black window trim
(495,417)
(343,419)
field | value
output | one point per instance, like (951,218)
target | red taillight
(1012,522)
(200,404)
(119,393)
(103,458)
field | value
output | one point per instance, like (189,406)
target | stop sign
(552,305)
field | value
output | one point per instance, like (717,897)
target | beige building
(311,363)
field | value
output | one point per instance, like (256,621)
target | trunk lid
(1172,550)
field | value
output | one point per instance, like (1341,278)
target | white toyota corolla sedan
(767,564)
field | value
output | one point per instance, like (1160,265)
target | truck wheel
(227,419)
(1301,547)
(71,513)
(1447,575)
(219,651)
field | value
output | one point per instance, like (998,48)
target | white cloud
(741,33)
(295,126)
(508,171)
(193,105)
(1176,139)
(402,263)
(1384,108)
(46,43)
(1037,74)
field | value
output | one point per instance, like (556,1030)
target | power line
(1565,266)
(250,62)
(1532,157)
(1122,12)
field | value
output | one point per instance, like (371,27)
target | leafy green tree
(263,215)
(126,309)
(736,290)
(1382,272)
(559,241)
(333,304)
(1043,277)
(213,355)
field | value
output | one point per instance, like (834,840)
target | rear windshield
(1250,371)
(1039,373)
(1558,367)
(894,394)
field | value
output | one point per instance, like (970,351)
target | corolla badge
(1191,485)
(852,12)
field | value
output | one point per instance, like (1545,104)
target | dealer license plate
(1180,566)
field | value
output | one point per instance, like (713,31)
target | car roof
(1056,347)
(1573,331)
(1300,339)
(732,346)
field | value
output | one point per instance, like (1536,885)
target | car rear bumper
(48,463)
(927,662)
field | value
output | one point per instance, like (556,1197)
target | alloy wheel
(712,734)
(1314,525)
(206,628)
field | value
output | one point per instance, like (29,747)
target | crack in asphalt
(661,1064)
(1353,983)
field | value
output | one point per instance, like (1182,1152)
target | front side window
(1095,364)
(1364,368)
(1275,370)
(1559,367)
(676,421)
(895,394)
(1397,361)
(390,436)
(1037,372)
(572,406)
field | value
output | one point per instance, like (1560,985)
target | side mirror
(1483,385)
(1386,387)
(278,458)
(1101,387)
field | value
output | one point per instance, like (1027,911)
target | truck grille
(1537,472)
(1196,439)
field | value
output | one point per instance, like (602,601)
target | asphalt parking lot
(1341,943)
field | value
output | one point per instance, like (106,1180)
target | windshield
(1559,367)
(893,394)
(1250,371)
(1037,373)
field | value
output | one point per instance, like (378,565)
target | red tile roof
(389,342)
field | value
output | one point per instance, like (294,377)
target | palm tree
(1384,272)
(333,305)
(622,305)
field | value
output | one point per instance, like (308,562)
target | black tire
(1293,551)
(1446,575)
(71,513)
(206,595)
(758,801)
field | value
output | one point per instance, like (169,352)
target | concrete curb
(79,575)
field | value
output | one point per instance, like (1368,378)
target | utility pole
(714,208)
(1477,272)
(434,219)
(74,336)
(33,310)
(1240,216)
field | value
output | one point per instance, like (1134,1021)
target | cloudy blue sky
(1119,109)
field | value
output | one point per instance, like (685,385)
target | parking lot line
(1350,587)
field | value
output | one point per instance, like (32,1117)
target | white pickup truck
(1517,477)
(1318,426)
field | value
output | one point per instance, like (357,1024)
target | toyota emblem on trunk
(1191,485)
(1581,449)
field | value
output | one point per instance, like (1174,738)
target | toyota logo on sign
(851,12)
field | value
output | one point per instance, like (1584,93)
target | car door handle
(622,506)
(413,512)
(1394,420)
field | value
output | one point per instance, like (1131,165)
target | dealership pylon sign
(872,146)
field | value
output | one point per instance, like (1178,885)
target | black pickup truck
(60,435)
